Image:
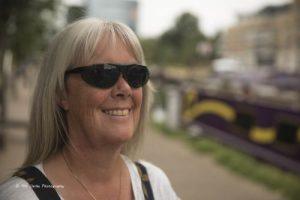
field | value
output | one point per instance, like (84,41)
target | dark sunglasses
(106,75)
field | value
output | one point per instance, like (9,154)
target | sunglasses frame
(121,69)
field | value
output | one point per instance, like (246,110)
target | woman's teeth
(123,112)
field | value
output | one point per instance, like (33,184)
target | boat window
(244,120)
(287,132)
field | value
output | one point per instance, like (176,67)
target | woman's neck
(94,165)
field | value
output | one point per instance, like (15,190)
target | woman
(89,109)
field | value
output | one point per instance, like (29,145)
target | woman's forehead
(113,52)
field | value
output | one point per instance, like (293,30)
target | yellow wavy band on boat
(218,108)
(262,135)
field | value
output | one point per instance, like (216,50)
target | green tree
(215,41)
(149,47)
(25,27)
(75,12)
(178,45)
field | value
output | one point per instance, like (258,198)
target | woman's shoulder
(16,188)
(155,172)
(161,185)
(159,181)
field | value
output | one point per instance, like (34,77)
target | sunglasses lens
(137,76)
(104,77)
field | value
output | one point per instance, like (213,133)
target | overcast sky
(156,16)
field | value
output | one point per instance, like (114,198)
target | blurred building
(268,38)
(124,11)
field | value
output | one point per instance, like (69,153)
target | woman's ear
(62,102)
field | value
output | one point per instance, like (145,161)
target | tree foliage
(75,13)
(25,26)
(178,45)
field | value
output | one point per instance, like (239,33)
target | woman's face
(106,116)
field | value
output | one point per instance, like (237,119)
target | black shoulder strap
(38,182)
(147,189)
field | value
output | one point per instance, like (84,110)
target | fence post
(173,95)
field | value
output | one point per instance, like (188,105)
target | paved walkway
(196,176)
(193,176)
(14,150)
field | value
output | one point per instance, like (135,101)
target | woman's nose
(121,88)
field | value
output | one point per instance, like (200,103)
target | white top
(17,188)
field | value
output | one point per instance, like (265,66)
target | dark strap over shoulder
(39,183)
(147,189)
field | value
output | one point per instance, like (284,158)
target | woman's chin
(124,137)
(119,137)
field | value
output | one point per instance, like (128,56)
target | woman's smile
(117,113)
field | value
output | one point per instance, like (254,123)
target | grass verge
(286,183)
